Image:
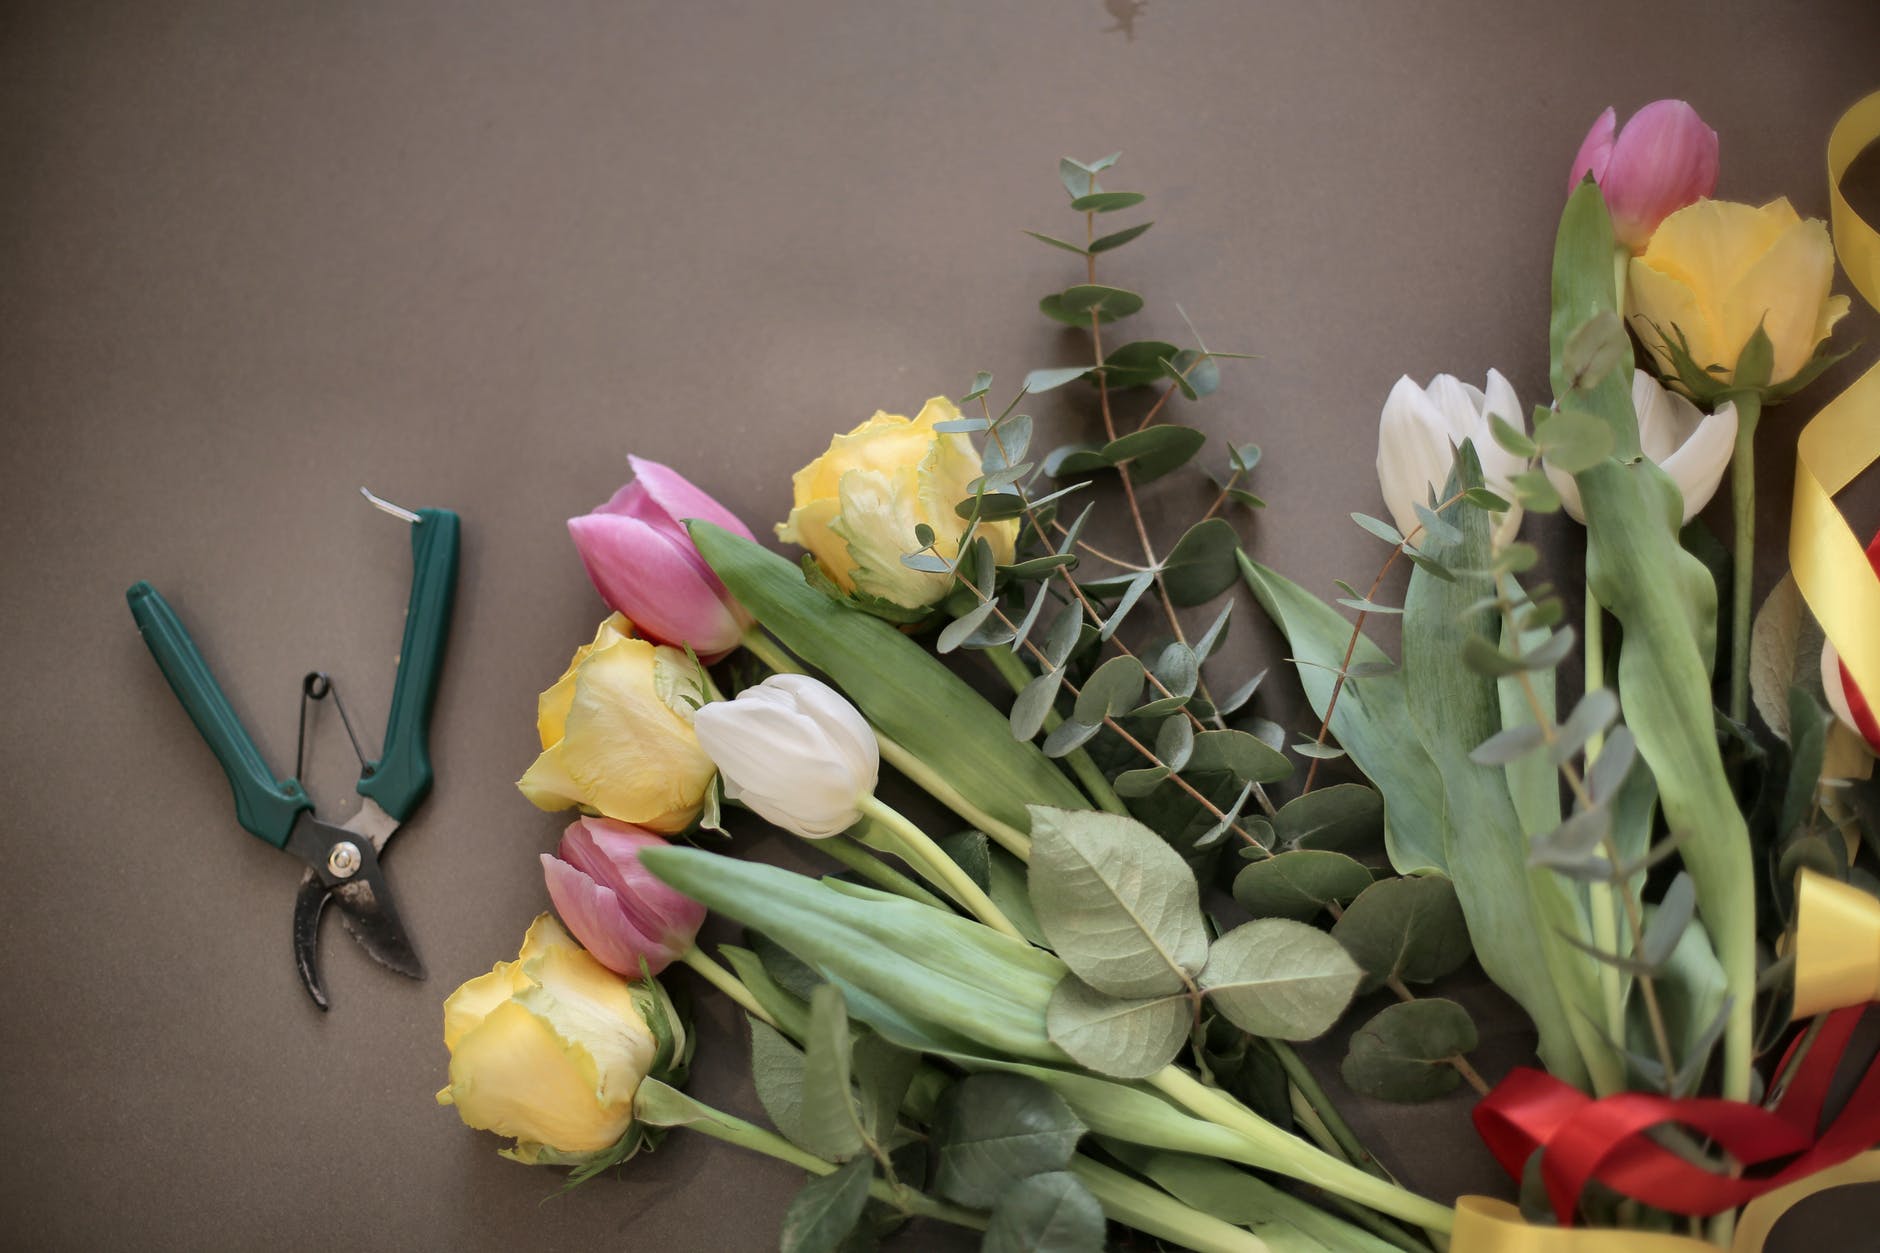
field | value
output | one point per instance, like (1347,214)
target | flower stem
(726,982)
(1015,673)
(1287,1154)
(1307,1085)
(941,871)
(1154,1212)
(851,854)
(897,755)
(1604,917)
(733,1130)
(1743,571)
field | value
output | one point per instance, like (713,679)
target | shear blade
(366,907)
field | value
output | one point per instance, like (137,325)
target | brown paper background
(254,255)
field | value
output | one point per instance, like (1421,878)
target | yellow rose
(616,734)
(858,504)
(550,1048)
(1716,270)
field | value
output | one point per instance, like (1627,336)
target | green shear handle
(401,778)
(267,807)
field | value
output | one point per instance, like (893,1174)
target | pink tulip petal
(1595,151)
(676,495)
(592,913)
(658,582)
(1664,159)
(655,908)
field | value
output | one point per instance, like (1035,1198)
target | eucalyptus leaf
(1175,741)
(1116,239)
(1155,450)
(1135,364)
(1069,736)
(821,1216)
(1046,380)
(1203,563)
(1124,1038)
(1281,979)
(1401,1054)
(1055,242)
(1216,632)
(1118,904)
(1108,303)
(1299,884)
(1244,756)
(1200,377)
(1114,689)
(1412,929)
(1107,201)
(1060,638)
(1051,1213)
(1033,704)
(1140,782)
(1674,913)
(993,1129)
(1378,527)
(1345,816)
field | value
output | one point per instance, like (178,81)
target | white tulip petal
(1698,465)
(794,751)
(1413,450)
(1569,492)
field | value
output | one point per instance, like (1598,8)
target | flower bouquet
(1075,1003)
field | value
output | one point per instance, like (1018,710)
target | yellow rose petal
(1784,292)
(516,1076)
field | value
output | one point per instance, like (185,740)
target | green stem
(942,871)
(1017,674)
(733,1130)
(725,982)
(1743,566)
(930,781)
(1307,1085)
(1602,905)
(1284,1153)
(1153,1212)
(883,876)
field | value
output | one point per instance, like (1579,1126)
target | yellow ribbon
(1837,942)
(1829,562)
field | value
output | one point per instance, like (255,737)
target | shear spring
(317,686)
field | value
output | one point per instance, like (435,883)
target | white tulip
(1693,447)
(1419,431)
(794,751)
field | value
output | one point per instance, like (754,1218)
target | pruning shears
(342,861)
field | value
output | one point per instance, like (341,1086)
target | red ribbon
(1585,1139)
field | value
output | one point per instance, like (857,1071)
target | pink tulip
(1663,159)
(613,904)
(644,564)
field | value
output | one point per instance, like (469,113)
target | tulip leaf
(1376,729)
(822,1215)
(906,692)
(1203,562)
(1299,884)
(830,1121)
(1154,451)
(1402,1054)
(1410,929)
(1117,903)
(1594,350)
(993,1129)
(1052,1213)
(1280,979)
(1125,1038)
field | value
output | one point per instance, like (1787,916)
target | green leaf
(1107,201)
(982,383)
(1155,450)
(1069,736)
(1078,177)
(1343,816)
(883,1073)
(831,1123)
(1299,884)
(1508,745)
(1055,242)
(1410,929)
(1595,349)
(1378,527)
(1135,364)
(1203,563)
(1375,729)
(1074,305)
(1046,380)
(1808,735)
(1281,979)
(1595,712)
(962,627)
(1119,905)
(1535,491)
(1051,1213)
(821,1216)
(993,1129)
(1175,741)
(1199,376)
(1512,439)
(1034,703)
(1116,239)
(1400,1055)
(1113,690)
(1140,782)
(777,1074)
(1673,915)
(1125,1038)
(1573,441)
(906,692)
(1237,753)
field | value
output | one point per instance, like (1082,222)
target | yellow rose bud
(549,1048)
(857,505)
(617,737)
(1716,270)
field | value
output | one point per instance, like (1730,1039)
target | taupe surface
(254,255)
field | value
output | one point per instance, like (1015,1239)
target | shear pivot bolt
(344,859)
